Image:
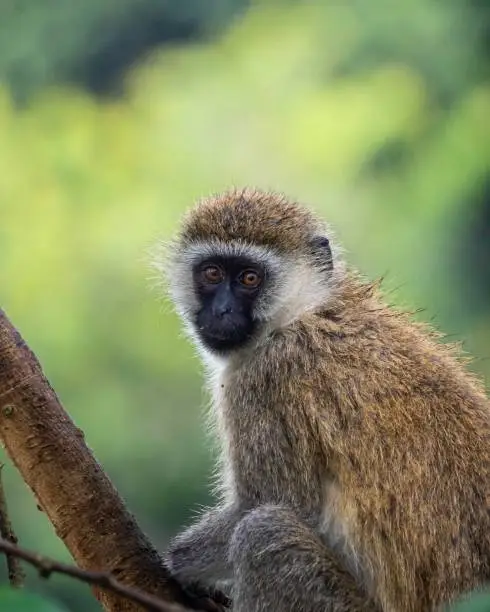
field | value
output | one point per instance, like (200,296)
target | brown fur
(358,420)
(266,219)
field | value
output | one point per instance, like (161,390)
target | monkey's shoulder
(374,348)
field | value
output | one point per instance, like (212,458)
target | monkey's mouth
(219,341)
(224,336)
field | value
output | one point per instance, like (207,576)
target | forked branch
(79,499)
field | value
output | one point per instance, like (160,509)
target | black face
(227,289)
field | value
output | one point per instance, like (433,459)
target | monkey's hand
(199,555)
(207,598)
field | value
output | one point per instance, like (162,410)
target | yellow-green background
(375,113)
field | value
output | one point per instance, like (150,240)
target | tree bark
(82,504)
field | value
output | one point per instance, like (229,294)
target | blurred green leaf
(479,602)
(13,600)
(93,43)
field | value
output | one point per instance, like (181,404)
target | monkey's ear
(320,248)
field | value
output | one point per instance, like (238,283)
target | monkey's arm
(200,553)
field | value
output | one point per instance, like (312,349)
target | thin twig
(15,571)
(104,580)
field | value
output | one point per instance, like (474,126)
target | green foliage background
(376,114)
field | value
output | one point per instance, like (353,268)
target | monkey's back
(362,416)
(413,443)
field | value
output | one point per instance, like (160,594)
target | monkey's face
(227,290)
(244,265)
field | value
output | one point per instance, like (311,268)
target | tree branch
(15,573)
(82,504)
(46,567)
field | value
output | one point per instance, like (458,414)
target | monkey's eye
(250,279)
(212,274)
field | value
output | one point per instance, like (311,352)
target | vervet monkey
(355,466)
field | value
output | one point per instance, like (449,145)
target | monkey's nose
(222,304)
(221,310)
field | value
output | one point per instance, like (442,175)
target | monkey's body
(356,459)
(397,482)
